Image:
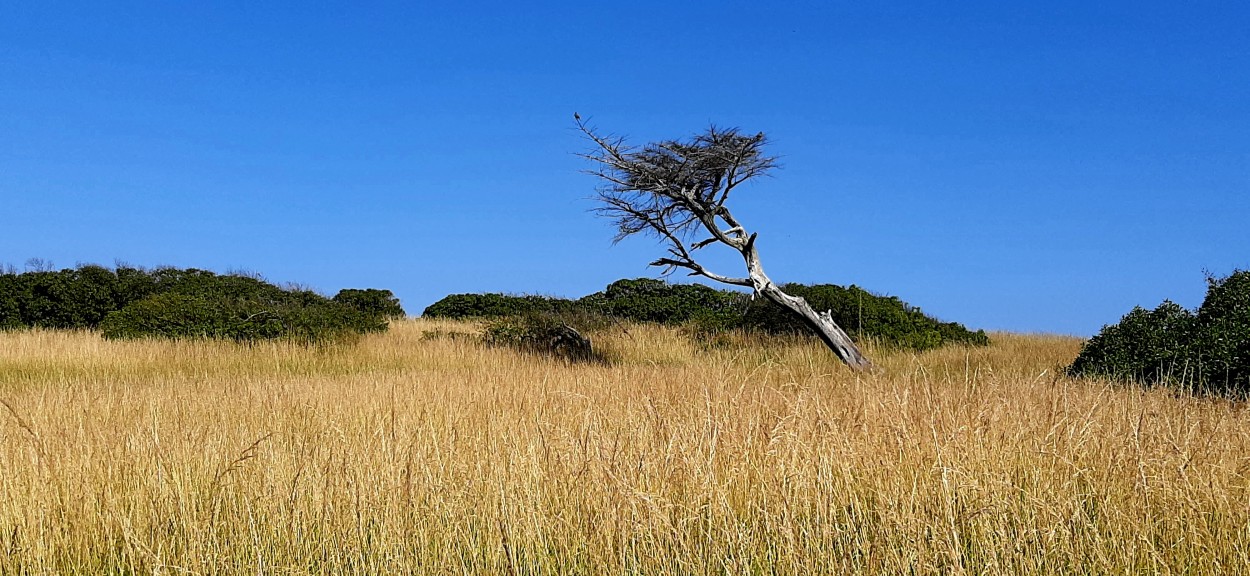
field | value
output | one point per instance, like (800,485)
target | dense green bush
(1223,339)
(884,318)
(130,302)
(10,310)
(862,314)
(461,306)
(198,303)
(134,284)
(175,315)
(311,317)
(650,300)
(638,300)
(178,315)
(542,334)
(373,302)
(205,282)
(71,298)
(1208,351)
(1146,345)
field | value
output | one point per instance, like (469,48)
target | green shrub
(956,333)
(131,302)
(301,316)
(1208,351)
(133,284)
(638,300)
(1223,341)
(92,295)
(372,302)
(175,315)
(10,307)
(461,306)
(63,299)
(210,284)
(310,317)
(1146,346)
(862,314)
(542,334)
(707,310)
(649,300)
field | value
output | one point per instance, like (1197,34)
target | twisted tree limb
(675,189)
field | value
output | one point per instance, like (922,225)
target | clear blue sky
(1023,168)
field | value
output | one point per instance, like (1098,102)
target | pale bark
(821,323)
(669,189)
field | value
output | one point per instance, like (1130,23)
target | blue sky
(1009,167)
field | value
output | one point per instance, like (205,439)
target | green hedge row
(864,315)
(886,319)
(128,302)
(1206,351)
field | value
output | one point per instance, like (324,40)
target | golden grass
(408,455)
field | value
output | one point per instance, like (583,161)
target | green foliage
(885,318)
(71,298)
(1146,346)
(461,306)
(10,309)
(1208,351)
(638,300)
(198,303)
(1223,340)
(862,314)
(373,302)
(310,317)
(205,282)
(542,334)
(179,315)
(649,300)
(134,284)
(175,303)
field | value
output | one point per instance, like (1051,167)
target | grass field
(403,454)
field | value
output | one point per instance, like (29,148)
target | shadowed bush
(541,334)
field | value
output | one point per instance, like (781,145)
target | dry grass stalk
(436,455)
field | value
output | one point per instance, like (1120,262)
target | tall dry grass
(408,455)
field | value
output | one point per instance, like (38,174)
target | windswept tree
(678,190)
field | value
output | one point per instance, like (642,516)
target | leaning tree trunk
(820,322)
